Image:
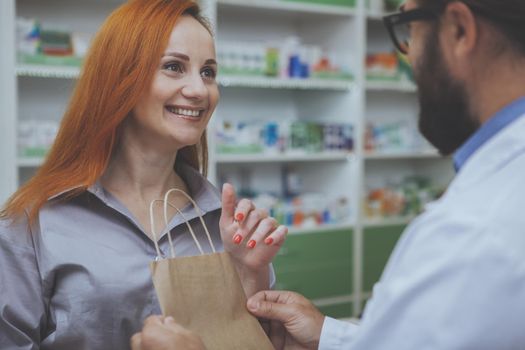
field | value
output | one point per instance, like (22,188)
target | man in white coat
(456,279)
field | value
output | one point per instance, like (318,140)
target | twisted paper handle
(166,204)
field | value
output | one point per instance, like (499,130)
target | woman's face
(184,92)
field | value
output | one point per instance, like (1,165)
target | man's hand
(302,321)
(161,333)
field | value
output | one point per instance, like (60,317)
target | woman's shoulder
(16,231)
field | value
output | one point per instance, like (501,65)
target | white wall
(8,103)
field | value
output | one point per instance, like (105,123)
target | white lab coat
(456,279)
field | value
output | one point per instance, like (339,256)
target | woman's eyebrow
(177,55)
(184,57)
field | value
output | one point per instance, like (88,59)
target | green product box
(299,136)
(343,76)
(33,152)
(345,3)
(240,149)
(272,62)
(315,137)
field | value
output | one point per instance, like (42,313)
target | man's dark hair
(508,16)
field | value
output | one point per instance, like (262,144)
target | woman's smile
(185,112)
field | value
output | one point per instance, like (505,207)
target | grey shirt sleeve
(22,309)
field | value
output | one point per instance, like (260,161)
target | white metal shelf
(375,16)
(321,228)
(298,7)
(47,71)
(278,83)
(427,154)
(387,221)
(33,162)
(244,158)
(342,299)
(283,157)
(385,85)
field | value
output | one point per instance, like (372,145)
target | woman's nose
(194,87)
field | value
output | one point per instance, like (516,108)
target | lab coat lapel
(491,157)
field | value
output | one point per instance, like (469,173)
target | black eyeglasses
(397,27)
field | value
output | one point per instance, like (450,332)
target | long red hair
(118,69)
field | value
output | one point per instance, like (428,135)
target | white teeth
(186,112)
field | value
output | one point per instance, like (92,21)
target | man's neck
(496,89)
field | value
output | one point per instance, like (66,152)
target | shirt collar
(206,195)
(490,128)
(92,189)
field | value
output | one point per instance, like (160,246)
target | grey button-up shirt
(79,277)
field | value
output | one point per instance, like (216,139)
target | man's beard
(445,118)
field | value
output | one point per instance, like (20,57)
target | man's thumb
(270,310)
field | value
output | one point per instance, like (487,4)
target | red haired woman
(75,241)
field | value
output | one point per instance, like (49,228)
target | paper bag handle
(166,203)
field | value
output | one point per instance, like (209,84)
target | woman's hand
(252,238)
(161,333)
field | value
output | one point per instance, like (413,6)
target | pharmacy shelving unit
(320,262)
(335,265)
(37,92)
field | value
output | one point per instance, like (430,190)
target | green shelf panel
(317,265)
(301,251)
(344,310)
(378,243)
(326,281)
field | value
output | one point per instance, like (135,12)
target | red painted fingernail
(251,244)
(239,217)
(268,241)
(237,239)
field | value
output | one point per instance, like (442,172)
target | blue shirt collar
(490,128)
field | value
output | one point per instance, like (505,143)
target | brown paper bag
(204,294)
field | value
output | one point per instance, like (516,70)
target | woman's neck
(146,174)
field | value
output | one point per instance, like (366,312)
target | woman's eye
(173,67)
(208,73)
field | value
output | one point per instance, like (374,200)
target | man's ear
(459,34)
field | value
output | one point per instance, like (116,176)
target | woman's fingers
(244,207)
(277,237)
(249,225)
(263,229)
(260,229)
